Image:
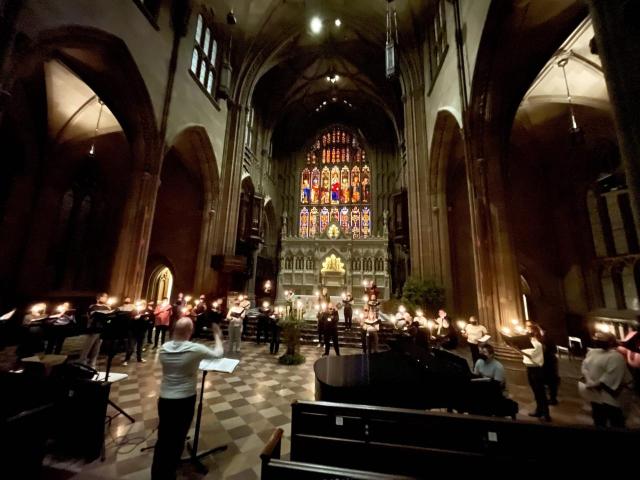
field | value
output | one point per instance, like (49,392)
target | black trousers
(551,377)
(136,338)
(149,332)
(274,346)
(321,331)
(605,415)
(348,315)
(262,331)
(536,381)
(175,417)
(475,354)
(160,329)
(55,336)
(329,336)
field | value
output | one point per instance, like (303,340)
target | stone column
(420,217)
(226,217)
(617,37)
(127,276)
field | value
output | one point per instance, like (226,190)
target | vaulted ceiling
(292,92)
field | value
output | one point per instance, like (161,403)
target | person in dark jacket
(348,310)
(331,320)
(262,329)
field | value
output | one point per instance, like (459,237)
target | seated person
(487,367)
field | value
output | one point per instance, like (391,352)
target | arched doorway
(79,126)
(160,284)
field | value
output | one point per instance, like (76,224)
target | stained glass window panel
(366,222)
(344,220)
(335,185)
(315,186)
(355,222)
(313,222)
(366,184)
(355,185)
(334,215)
(324,219)
(305,188)
(345,189)
(325,187)
(304,223)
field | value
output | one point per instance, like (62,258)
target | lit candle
(265,305)
(61,308)
(187,298)
(365,298)
(111,301)
(38,308)
(461,324)
(430,324)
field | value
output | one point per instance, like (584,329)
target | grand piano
(409,376)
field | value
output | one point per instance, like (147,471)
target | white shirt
(603,366)
(536,353)
(180,361)
(475,332)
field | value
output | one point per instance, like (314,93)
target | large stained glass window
(335,186)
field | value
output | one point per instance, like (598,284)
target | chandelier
(92,150)
(390,58)
(575,132)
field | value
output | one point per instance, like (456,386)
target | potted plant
(291,327)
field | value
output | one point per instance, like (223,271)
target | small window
(205,54)
(437,41)
(150,9)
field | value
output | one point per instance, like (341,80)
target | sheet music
(225,365)
(8,315)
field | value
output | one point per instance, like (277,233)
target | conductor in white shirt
(180,359)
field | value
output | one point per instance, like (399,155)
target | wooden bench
(273,468)
(401,441)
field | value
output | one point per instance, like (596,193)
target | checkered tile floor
(243,408)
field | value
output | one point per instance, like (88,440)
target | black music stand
(194,457)
(115,328)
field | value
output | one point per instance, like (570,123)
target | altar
(333,243)
(339,264)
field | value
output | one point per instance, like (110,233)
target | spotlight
(337,22)
(316,25)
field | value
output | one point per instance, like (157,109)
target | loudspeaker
(80,417)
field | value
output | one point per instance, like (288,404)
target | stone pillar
(127,276)
(617,223)
(617,37)
(420,216)
(497,275)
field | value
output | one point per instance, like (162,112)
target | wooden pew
(411,442)
(273,468)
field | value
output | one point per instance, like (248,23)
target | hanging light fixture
(576,133)
(92,150)
(392,40)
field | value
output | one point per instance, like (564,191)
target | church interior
(441,193)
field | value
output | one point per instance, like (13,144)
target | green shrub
(295,359)
(425,294)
